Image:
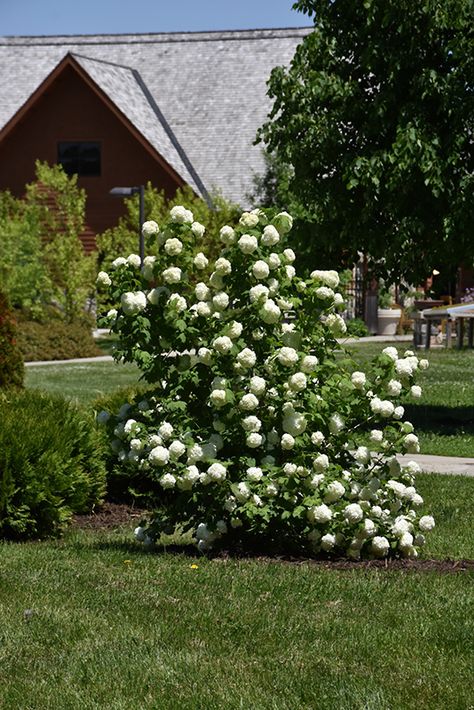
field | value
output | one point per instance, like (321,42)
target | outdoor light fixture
(128,192)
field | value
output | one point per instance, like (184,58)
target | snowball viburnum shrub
(253,430)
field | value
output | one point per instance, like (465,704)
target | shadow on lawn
(441,420)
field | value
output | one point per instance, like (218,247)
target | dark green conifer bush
(51,464)
(11,362)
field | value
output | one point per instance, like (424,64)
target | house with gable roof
(174,109)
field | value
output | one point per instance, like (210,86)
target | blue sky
(49,17)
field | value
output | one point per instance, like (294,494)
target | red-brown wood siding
(69,110)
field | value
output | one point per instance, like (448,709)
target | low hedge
(51,464)
(56,340)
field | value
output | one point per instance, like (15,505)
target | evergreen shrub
(56,340)
(51,464)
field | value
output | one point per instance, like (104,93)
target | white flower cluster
(252,418)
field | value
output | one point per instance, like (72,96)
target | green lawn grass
(83,382)
(444,416)
(110,626)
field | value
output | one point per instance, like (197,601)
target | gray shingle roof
(210,88)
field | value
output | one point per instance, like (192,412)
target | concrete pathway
(73,361)
(447,465)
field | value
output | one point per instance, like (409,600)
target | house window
(79,158)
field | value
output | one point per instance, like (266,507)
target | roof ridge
(152,37)
(100,61)
(171,135)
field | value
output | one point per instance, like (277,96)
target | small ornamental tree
(258,430)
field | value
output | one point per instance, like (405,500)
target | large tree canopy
(375,117)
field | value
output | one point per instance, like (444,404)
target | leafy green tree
(60,206)
(375,116)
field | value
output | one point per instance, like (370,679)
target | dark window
(79,158)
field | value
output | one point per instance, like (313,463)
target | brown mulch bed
(109,516)
(114,515)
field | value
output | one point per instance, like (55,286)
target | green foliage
(61,207)
(357,328)
(56,340)
(375,118)
(122,240)
(23,272)
(50,464)
(11,362)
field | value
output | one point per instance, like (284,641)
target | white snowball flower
(272,490)
(181,215)
(148,264)
(218,398)
(294,423)
(119,261)
(290,468)
(257,385)
(251,423)
(415,391)
(248,402)
(298,382)
(204,356)
(260,269)
(321,463)
(247,243)
(412,444)
(223,344)
(394,388)
(159,455)
(173,246)
(290,272)
(353,513)
(270,236)
(384,408)
(328,541)
(328,278)
(287,442)
(391,352)
(172,275)
(426,523)
(334,491)
(177,448)
(380,546)
(336,324)
(112,315)
(362,454)
(270,313)
(398,412)
(321,513)
(247,358)
(287,356)
(309,363)
(150,228)
(220,300)
(254,473)
(274,261)
(242,492)
(103,279)
(258,292)
(424,364)
(200,261)
(202,309)
(165,430)
(338,300)
(177,302)
(253,440)
(133,302)
(217,472)
(289,255)
(376,436)
(234,330)
(324,293)
(401,526)
(317,438)
(248,219)
(336,423)
(359,380)
(223,266)
(198,229)
(227,235)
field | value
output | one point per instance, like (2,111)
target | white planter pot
(388,319)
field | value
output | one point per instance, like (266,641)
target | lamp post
(127,192)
